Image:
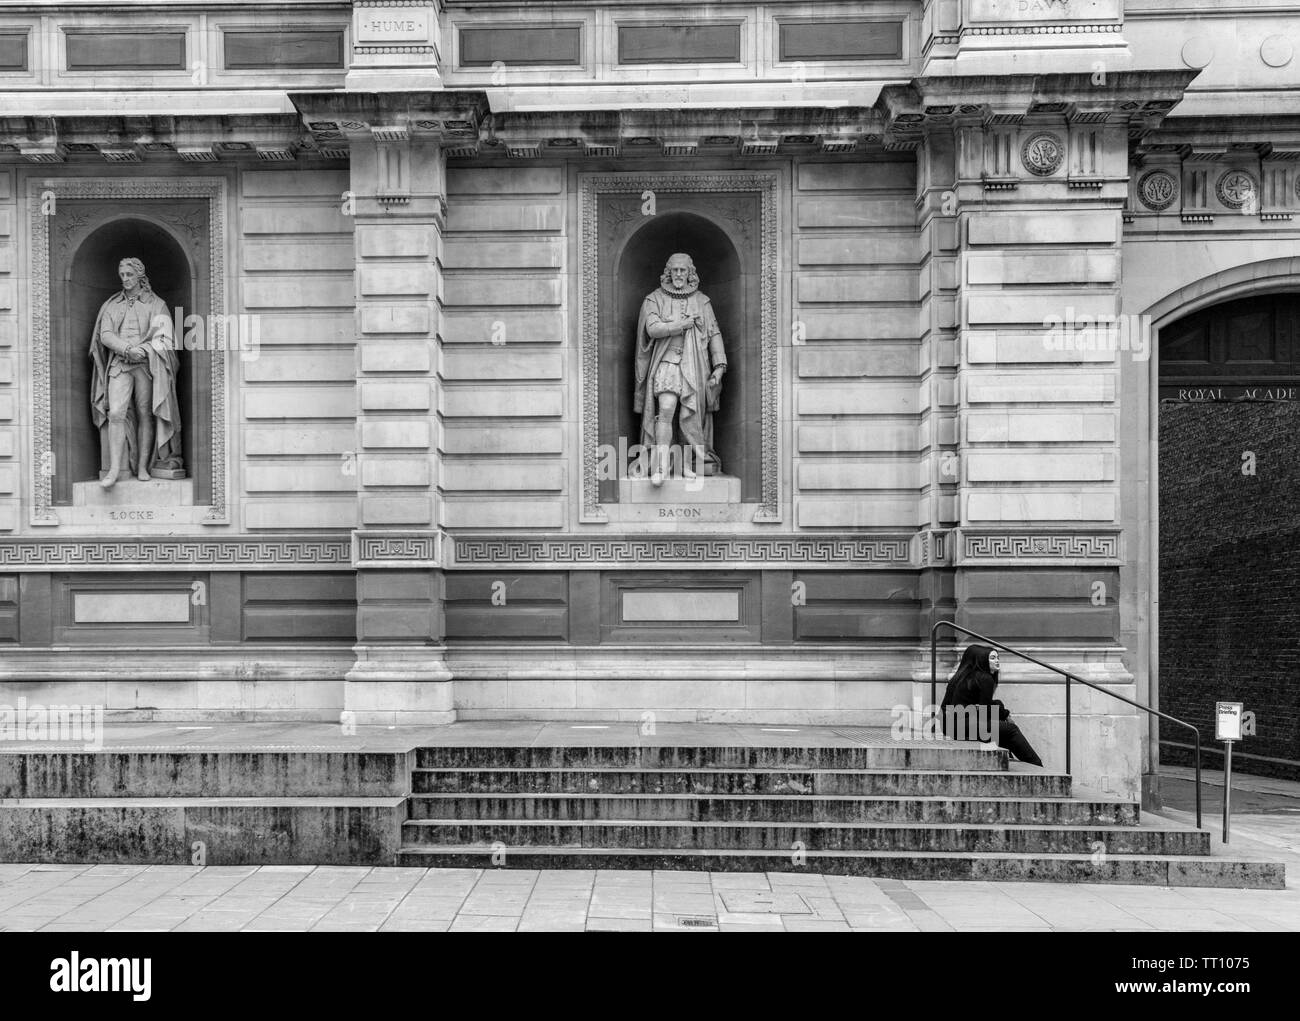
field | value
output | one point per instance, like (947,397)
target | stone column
(397,197)
(937,207)
(1032,172)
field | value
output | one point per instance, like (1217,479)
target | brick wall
(1230,574)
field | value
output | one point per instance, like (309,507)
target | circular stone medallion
(1235,189)
(1042,154)
(1157,190)
(1276,51)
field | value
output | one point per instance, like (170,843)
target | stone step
(192,773)
(927,755)
(219,831)
(1147,870)
(614,834)
(788,808)
(861,782)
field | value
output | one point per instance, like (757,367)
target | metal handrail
(934,690)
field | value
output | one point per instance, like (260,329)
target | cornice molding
(1138,99)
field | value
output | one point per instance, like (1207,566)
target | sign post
(1227,728)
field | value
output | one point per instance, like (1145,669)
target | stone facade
(419,221)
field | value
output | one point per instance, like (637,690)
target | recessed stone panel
(831,38)
(538,45)
(100,50)
(700,605)
(684,43)
(131,607)
(13,51)
(283,48)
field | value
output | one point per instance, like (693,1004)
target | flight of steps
(932,810)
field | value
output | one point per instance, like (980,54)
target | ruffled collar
(672,292)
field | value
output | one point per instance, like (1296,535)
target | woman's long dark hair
(974,663)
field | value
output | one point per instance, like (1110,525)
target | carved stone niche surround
(211,191)
(765,235)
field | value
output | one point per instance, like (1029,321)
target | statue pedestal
(131,492)
(710,489)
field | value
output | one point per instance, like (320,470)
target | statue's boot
(116,449)
(691,455)
(144,452)
(663,438)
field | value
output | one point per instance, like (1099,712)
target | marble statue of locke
(134,380)
(680,362)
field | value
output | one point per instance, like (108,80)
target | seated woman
(973,684)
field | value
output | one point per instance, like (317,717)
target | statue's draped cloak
(155,327)
(697,403)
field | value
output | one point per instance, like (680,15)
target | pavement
(301,898)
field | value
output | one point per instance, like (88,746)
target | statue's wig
(138,266)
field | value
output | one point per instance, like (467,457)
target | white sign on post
(1227,721)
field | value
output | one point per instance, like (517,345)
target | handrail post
(1068,757)
(1198,777)
(934,661)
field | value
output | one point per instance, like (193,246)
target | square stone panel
(764,902)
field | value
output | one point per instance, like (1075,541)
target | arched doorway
(1229,523)
(79,287)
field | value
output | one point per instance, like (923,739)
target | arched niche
(730,286)
(630,223)
(72,220)
(88,278)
